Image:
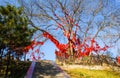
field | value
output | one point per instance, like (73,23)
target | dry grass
(86,73)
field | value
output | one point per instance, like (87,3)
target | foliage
(86,73)
(18,69)
(14,31)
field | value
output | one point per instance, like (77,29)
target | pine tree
(14,31)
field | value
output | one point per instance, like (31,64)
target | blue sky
(48,48)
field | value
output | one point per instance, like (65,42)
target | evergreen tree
(14,32)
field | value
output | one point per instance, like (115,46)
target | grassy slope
(85,73)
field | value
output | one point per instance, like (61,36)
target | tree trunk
(1,53)
(25,57)
(8,63)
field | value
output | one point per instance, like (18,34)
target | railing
(30,70)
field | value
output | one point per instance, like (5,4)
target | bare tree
(97,19)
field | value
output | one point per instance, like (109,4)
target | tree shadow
(43,69)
